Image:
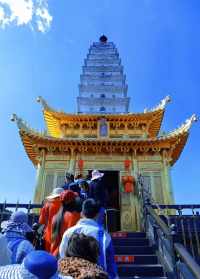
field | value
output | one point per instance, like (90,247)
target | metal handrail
(188,260)
(20,205)
(177,206)
(159,222)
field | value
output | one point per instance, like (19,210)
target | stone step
(132,270)
(128,234)
(130,241)
(136,259)
(137,250)
(141,277)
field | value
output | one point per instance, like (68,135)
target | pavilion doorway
(111,181)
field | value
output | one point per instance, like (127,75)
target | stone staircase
(135,257)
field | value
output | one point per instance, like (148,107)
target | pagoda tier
(63,125)
(170,145)
(103,88)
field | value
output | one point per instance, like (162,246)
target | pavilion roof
(172,143)
(54,119)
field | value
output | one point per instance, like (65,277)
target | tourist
(51,207)
(78,177)
(15,232)
(69,178)
(66,217)
(88,225)
(36,265)
(98,193)
(5,254)
(74,186)
(84,189)
(81,258)
(97,188)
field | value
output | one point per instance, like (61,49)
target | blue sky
(159,45)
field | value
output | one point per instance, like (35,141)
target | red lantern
(128,187)
(128,183)
(80,164)
(127,164)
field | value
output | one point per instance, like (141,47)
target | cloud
(34,13)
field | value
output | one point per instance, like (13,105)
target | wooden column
(168,185)
(135,197)
(38,196)
(72,162)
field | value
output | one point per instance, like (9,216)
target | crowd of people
(69,240)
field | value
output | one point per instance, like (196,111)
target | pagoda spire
(103,88)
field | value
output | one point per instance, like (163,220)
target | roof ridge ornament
(43,102)
(22,125)
(161,105)
(184,128)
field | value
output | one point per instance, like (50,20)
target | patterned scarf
(80,268)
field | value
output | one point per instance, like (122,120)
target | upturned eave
(34,143)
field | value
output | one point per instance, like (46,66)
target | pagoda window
(103,95)
(102,109)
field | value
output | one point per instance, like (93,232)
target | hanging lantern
(128,187)
(80,164)
(127,164)
(129,184)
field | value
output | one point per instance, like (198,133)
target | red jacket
(50,208)
(70,219)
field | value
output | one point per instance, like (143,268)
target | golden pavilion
(104,135)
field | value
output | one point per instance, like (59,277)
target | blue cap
(41,264)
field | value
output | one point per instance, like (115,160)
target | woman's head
(17,223)
(19,217)
(82,246)
(68,199)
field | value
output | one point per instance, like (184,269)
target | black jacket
(97,191)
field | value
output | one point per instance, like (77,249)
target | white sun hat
(55,193)
(96,174)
